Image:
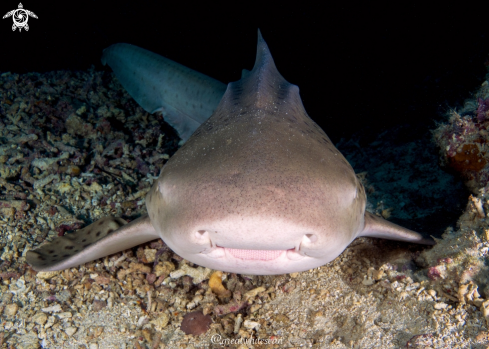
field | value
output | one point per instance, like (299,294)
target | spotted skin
(99,239)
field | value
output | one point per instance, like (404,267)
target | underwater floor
(74,147)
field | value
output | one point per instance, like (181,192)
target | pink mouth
(257,255)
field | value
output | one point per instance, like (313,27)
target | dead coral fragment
(8,208)
(70,170)
(195,323)
(420,341)
(254,292)
(76,126)
(485,311)
(436,272)
(482,109)
(23,139)
(45,181)
(469,293)
(133,268)
(232,307)
(45,163)
(164,268)
(197,274)
(478,206)
(215,283)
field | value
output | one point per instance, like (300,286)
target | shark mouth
(217,252)
(255,255)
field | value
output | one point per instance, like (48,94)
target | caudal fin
(185,97)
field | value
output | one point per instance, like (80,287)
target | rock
(98,305)
(150,255)
(70,331)
(195,323)
(250,325)
(440,305)
(40,318)
(161,321)
(11,309)
(64,315)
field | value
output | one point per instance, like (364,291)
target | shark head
(259,188)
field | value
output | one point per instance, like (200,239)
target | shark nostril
(309,238)
(201,234)
(203,238)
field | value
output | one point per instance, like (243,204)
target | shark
(256,188)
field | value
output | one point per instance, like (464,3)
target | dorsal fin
(263,87)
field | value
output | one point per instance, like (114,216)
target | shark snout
(253,248)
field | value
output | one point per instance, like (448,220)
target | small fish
(258,188)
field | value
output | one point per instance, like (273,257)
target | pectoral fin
(378,227)
(102,238)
